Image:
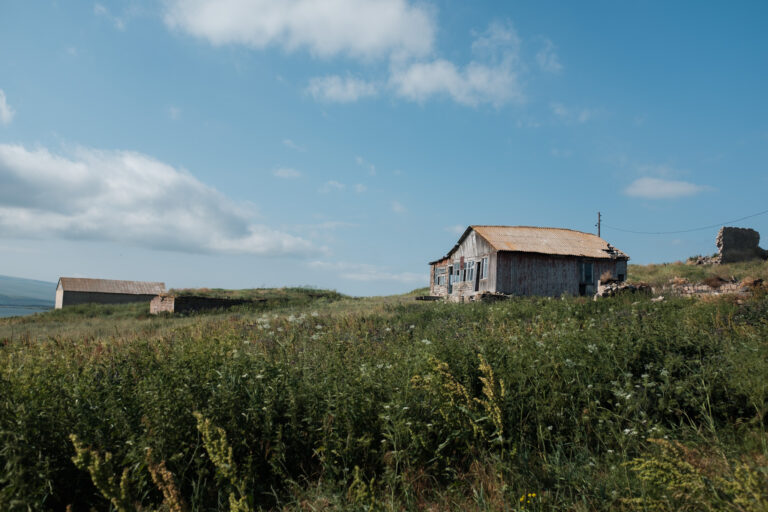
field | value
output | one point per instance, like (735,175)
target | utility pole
(598,224)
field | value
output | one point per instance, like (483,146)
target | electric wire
(685,230)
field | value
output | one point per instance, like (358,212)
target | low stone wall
(189,303)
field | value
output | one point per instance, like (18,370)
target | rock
(613,288)
(658,299)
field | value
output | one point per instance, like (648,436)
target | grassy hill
(659,275)
(387,403)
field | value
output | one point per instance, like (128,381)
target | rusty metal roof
(554,241)
(80,284)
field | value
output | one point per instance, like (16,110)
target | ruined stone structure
(739,244)
(188,303)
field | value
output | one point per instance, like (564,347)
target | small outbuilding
(76,290)
(524,260)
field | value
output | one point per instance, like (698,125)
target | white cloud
(331,185)
(127,197)
(6,112)
(358,28)
(657,188)
(475,84)
(290,144)
(335,89)
(287,173)
(398,207)
(367,272)
(360,188)
(547,58)
(456,229)
(491,78)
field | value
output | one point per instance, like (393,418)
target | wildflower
(592,348)
(549,427)
(426,341)
(314,313)
(412,326)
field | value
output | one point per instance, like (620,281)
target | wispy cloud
(292,145)
(101,10)
(336,89)
(547,58)
(6,112)
(456,229)
(358,28)
(398,207)
(360,188)
(174,112)
(331,185)
(367,272)
(287,173)
(658,188)
(573,114)
(127,197)
(367,165)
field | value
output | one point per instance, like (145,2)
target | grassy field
(325,402)
(660,275)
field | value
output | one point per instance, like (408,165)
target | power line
(686,230)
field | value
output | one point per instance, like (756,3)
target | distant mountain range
(15,291)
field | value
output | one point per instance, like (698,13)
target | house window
(440,276)
(484,269)
(469,270)
(587,272)
(456,277)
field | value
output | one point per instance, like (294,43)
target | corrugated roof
(555,241)
(80,284)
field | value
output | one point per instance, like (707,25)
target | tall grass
(528,404)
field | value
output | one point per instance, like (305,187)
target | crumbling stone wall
(739,244)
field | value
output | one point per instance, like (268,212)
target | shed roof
(81,284)
(554,241)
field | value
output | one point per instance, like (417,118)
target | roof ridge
(528,227)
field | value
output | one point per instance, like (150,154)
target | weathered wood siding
(474,248)
(547,275)
(74,298)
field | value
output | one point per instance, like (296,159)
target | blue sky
(344,144)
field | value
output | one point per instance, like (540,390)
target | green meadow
(313,401)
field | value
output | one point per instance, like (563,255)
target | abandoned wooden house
(76,290)
(522,260)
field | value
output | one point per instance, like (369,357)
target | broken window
(469,270)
